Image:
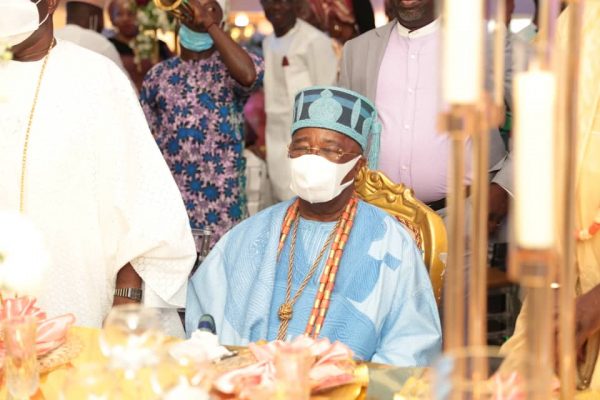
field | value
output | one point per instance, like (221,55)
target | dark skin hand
(36,46)
(126,278)
(205,16)
(282,14)
(414,14)
(587,323)
(498,207)
(325,138)
(587,318)
(259,151)
(340,30)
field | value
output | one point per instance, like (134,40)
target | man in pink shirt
(398,66)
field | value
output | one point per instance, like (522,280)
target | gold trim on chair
(426,227)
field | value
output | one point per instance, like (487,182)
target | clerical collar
(417,33)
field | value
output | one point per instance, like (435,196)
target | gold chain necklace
(28,131)
(286,310)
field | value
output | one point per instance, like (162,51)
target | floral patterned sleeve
(148,99)
(259,65)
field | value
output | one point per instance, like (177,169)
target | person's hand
(498,207)
(587,318)
(259,151)
(199,17)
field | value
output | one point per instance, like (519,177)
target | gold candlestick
(533,258)
(458,123)
(535,269)
(533,261)
(477,321)
(568,128)
(471,116)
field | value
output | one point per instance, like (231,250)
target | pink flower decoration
(332,367)
(51,333)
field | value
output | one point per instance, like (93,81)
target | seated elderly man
(325,263)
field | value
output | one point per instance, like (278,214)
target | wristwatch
(130,293)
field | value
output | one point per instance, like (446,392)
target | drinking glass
(292,367)
(20,362)
(131,338)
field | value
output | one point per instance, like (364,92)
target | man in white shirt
(297,55)
(77,158)
(84,24)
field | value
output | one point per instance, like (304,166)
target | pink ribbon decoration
(51,333)
(20,307)
(513,387)
(509,388)
(332,367)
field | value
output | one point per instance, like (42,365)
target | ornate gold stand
(568,106)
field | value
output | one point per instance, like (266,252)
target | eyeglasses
(331,153)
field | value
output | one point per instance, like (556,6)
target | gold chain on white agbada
(28,131)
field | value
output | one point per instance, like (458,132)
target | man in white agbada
(83,28)
(94,181)
(297,55)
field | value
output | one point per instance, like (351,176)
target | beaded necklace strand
(587,234)
(327,280)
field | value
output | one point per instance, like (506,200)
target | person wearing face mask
(324,263)
(78,159)
(194,105)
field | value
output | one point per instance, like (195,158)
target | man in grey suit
(397,66)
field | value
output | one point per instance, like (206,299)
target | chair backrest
(427,228)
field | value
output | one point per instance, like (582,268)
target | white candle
(463,51)
(534,154)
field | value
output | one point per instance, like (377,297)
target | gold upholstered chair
(426,227)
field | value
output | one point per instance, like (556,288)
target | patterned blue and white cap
(340,110)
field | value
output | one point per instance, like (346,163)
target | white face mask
(318,180)
(18,20)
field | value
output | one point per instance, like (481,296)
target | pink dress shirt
(408,101)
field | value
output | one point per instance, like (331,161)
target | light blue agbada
(382,304)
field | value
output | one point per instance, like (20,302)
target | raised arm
(206,16)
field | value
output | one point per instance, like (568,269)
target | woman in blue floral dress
(194,106)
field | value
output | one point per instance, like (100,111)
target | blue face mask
(195,41)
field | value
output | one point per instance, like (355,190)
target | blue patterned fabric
(194,110)
(382,304)
(343,111)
